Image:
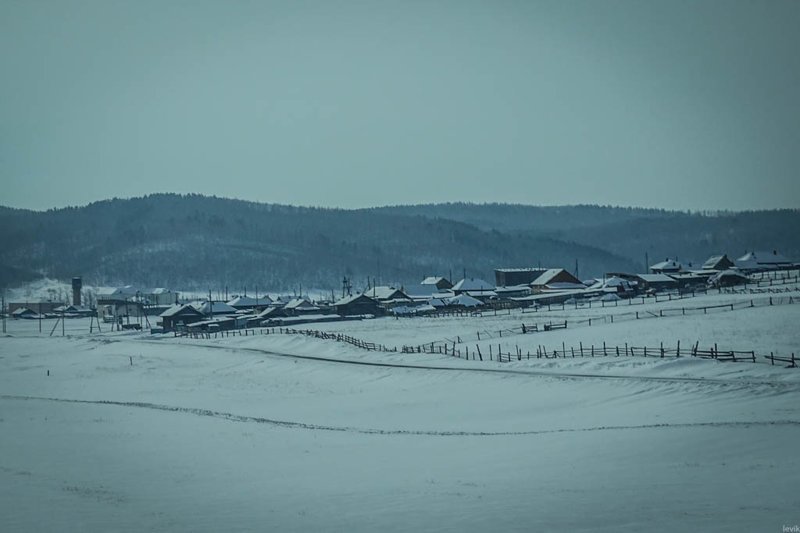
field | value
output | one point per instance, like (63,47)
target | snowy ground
(291,433)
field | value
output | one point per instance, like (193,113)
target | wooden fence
(339,337)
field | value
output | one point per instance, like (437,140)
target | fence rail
(339,337)
(452,349)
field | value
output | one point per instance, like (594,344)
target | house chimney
(77,285)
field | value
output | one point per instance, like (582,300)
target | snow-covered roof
(473,284)
(549,295)
(247,301)
(159,290)
(616,282)
(270,311)
(481,294)
(610,297)
(548,275)
(512,289)
(177,308)
(762,258)
(349,299)
(433,280)
(464,300)
(669,264)
(72,309)
(422,291)
(437,302)
(713,261)
(386,293)
(300,303)
(728,275)
(127,290)
(215,308)
(564,285)
(656,278)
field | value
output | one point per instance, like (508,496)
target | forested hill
(631,232)
(194,241)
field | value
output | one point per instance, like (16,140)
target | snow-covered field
(133,432)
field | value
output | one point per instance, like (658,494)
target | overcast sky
(675,104)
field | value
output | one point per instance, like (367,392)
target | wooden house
(556,279)
(668,266)
(357,304)
(179,316)
(718,262)
(509,277)
(439,282)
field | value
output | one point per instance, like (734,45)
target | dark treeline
(632,232)
(193,241)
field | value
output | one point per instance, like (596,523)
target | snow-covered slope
(133,432)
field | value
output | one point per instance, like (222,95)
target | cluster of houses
(513,287)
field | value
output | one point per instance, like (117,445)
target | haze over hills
(197,242)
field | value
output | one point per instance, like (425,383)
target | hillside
(196,242)
(631,232)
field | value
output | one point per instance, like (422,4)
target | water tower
(77,285)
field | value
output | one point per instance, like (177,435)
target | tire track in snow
(371,431)
(539,373)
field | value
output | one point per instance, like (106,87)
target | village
(164,311)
